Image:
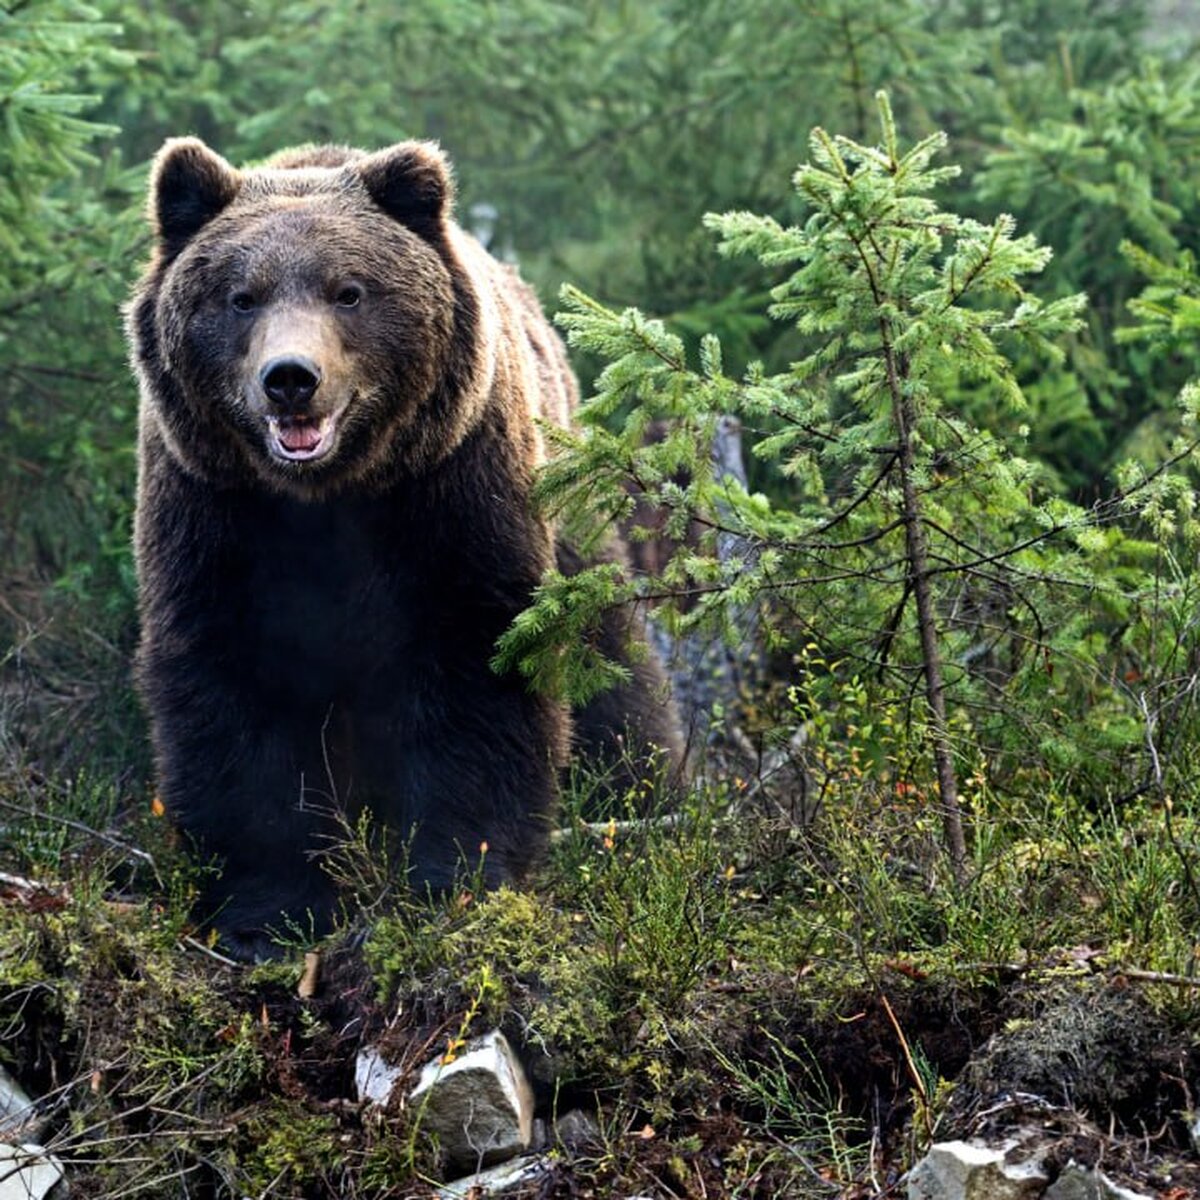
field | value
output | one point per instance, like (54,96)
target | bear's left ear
(189,185)
(411,182)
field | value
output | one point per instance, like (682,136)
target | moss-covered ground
(749,1005)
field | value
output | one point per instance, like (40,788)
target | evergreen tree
(70,229)
(913,542)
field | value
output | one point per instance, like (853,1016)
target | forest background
(599,135)
(590,140)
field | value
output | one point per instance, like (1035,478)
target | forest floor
(747,1004)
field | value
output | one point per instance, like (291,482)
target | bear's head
(312,322)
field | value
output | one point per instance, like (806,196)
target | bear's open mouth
(300,439)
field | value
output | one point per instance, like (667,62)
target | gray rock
(576,1128)
(480,1106)
(496,1181)
(540,1138)
(28,1172)
(18,1114)
(1084,1183)
(965,1171)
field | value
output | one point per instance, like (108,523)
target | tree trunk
(917,549)
(708,673)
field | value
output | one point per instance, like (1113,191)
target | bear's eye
(242,302)
(349,296)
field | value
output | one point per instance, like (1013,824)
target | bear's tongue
(300,436)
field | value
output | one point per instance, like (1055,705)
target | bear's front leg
(471,782)
(254,791)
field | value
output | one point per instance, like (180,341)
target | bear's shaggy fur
(337,442)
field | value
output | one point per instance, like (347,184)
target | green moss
(20,962)
(283,1143)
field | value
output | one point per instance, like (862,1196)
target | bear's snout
(290,382)
(296,430)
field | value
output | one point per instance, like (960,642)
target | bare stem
(919,574)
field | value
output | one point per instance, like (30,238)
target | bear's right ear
(189,185)
(410,182)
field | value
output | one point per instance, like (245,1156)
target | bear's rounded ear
(189,185)
(411,182)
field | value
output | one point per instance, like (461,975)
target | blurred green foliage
(601,133)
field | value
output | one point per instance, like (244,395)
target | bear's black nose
(290,382)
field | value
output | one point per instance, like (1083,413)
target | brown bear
(339,390)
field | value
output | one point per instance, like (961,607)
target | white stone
(495,1181)
(373,1078)
(29,1173)
(480,1106)
(965,1171)
(1083,1183)
(18,1115)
